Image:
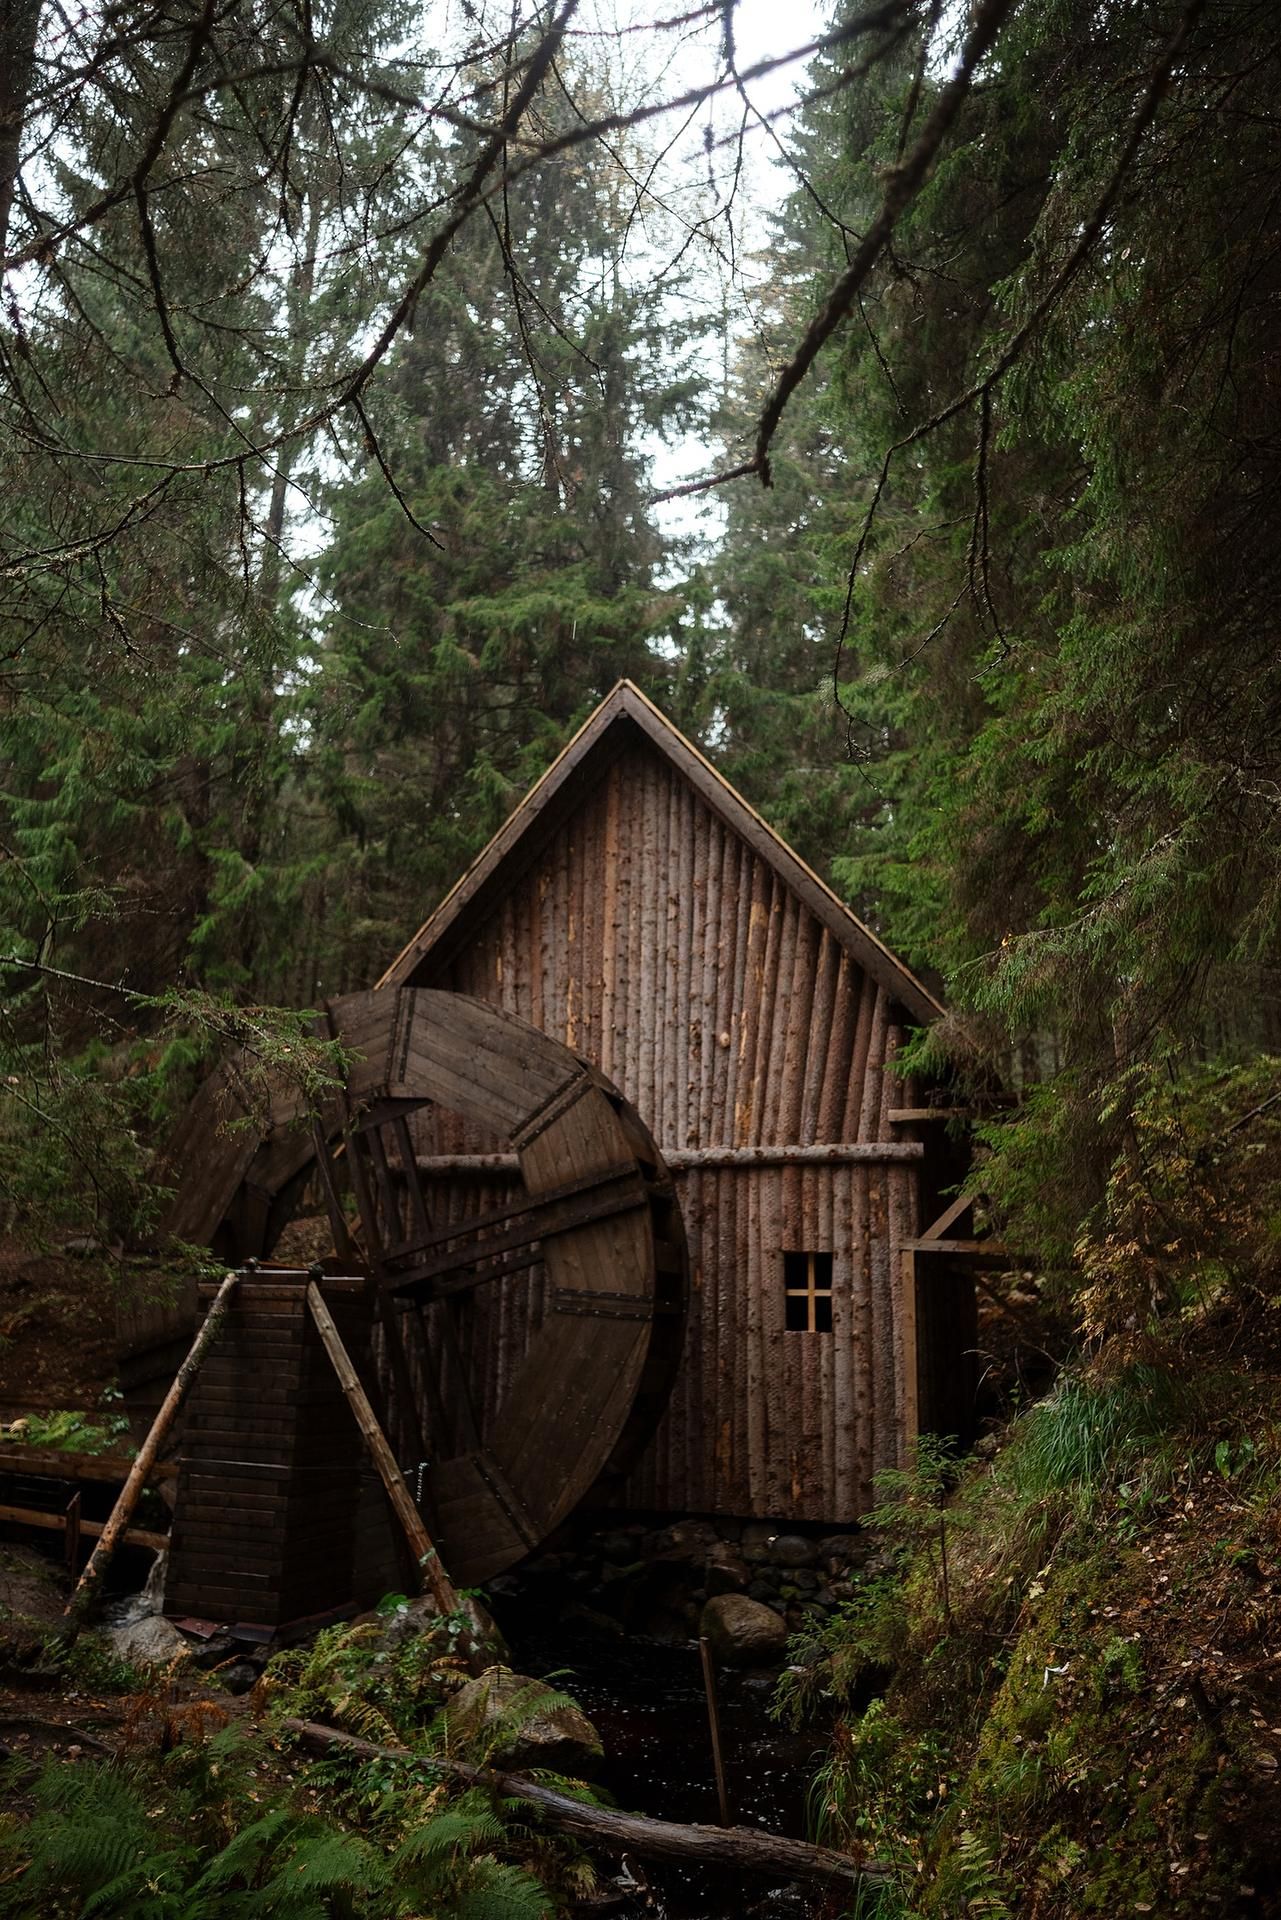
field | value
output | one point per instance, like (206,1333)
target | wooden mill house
(635,907)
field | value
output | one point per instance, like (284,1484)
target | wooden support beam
(533,1222)
(426,1558)
(680,1159)
(954,1211)
(82,1599)
(714,1727)
(71,1521)
(966,1249)
(911,1353)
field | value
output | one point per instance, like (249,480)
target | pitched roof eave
(623,712)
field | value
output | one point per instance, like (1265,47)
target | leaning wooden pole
(426,1558)
(81,1602)
(745,1849)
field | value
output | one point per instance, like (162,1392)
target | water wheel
(586,1249)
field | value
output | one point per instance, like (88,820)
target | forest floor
(1084,1714)
(57,1330)
(1083,1717)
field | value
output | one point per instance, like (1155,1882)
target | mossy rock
(499,1717)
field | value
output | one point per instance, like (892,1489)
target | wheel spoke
(435,1269)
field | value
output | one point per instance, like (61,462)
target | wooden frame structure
(637,908)
(524,1348)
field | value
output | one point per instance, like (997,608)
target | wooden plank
(680,1159)
(948,1218)
(993,1250)
(58,1522)
(54,1464)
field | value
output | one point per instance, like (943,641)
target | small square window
(807,1292)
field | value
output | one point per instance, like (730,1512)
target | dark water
(647,1702)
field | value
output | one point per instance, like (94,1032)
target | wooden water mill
(523,1350)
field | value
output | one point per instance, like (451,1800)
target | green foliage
(1058,672)
(213,1831)
(365,1679)
(74,1431)
(1086,1436)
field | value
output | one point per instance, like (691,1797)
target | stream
(646,1700)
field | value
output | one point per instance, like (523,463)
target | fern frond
(245,1851)
(500,1892)
(458,1829)
(322,1863)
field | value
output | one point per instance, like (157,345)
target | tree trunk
(19,25)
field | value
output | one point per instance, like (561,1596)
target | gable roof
(625,717)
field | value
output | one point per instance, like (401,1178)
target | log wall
(659,944)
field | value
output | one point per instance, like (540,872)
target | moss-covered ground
(1084,1637)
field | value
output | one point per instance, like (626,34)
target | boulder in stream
(743,1632)
(499,1713)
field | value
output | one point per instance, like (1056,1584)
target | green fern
(979,1878)
(501,1892)
(90,1837)
(446,1863)
(461,1828)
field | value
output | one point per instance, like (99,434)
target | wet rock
(612,1574)
(763,1590)
(727,1571)
(561,1738)
(742,1631)
(805,1579)
(843,1546)
(148,1642)
(210,1652)
(758,1533)
(598,1622)
(420,1615)
(240,1678)
(792,1550)
(690,1539)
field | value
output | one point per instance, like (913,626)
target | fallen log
(742,1849)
